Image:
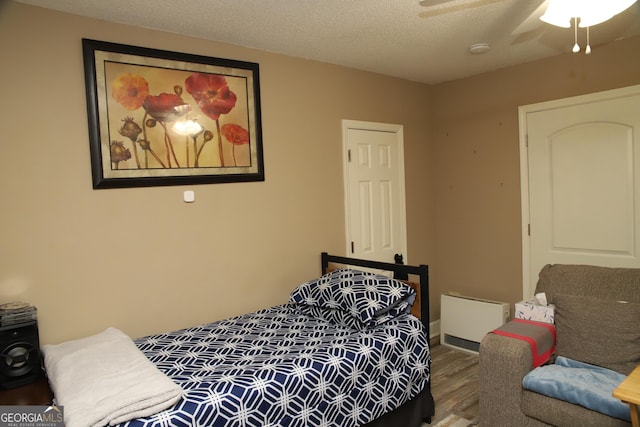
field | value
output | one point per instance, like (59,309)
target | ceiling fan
(443,7)
(588,13)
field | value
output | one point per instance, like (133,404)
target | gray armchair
(505,361)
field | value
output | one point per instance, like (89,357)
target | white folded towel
(105,379)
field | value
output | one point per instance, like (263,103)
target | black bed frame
(422,407)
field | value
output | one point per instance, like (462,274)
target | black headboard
(400,270)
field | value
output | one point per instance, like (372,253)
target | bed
(345,350)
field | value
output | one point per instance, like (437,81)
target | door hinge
(529,229)
(349,155)
(352,248)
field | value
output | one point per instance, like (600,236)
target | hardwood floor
(454,383)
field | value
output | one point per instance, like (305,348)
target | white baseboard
(434,329)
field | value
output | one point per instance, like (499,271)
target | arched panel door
(581,182)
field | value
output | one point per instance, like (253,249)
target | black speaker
(20,358)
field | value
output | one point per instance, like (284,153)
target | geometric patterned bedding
(282,367)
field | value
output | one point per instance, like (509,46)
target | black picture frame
(159,118)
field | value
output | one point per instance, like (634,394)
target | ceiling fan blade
(532,22)
(434,6)
(430,3)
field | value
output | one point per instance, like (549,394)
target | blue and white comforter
(281,367)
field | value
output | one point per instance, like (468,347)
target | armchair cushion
(598,331)
(586,385)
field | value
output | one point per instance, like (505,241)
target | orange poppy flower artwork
(168,118)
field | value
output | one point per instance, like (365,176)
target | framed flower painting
(167,118)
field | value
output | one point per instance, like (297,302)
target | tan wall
(141,259)
(475,125)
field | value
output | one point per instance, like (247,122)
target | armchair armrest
(503,362)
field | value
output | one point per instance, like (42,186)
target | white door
(583,164)
(374,190)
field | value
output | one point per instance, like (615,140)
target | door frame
(528,288)
(382,127)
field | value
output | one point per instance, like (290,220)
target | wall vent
(461,343)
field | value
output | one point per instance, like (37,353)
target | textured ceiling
(398,38)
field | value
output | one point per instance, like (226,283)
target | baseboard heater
(465,320)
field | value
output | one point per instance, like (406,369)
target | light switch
(189,196)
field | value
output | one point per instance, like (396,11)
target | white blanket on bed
(105,379)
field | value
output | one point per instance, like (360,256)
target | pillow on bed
(369,298)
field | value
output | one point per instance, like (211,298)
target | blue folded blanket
(579,383)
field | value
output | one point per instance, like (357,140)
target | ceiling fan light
(590,12)
(559,13)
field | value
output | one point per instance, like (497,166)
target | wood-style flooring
(455,383)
